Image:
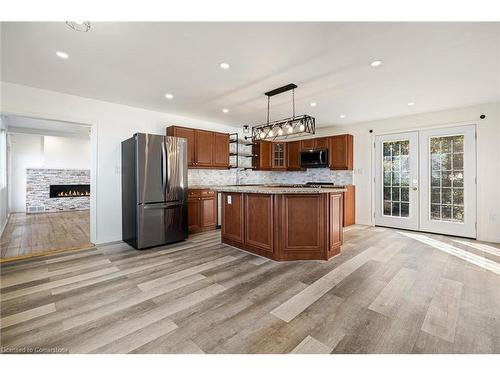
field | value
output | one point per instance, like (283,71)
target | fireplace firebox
(69,191)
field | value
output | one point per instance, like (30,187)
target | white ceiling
(435,65)
(29,125)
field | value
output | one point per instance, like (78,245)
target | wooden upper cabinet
(308,144)
(278,155)
(321,143)
(189,134)
(340,152)
(314,143)
(206,149)
(293,155)
(221,150)
(263,150)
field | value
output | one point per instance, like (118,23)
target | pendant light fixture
(286,127)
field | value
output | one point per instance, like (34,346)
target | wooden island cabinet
(283,224)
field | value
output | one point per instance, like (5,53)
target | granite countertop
(276,190)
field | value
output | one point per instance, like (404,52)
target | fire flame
(73,194)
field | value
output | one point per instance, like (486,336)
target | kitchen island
(283,223)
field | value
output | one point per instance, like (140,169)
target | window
(396,178)
(447,178)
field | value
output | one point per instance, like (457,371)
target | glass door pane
(447,178)
(396,180)
(448,172)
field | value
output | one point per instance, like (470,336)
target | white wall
(113,123)
(488,158)
(65,152)
(26,151)
(4,196)
(38,151)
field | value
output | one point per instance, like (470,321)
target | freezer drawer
(161,223)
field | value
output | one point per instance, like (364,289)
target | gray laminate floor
(389,291)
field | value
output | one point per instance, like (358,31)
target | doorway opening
(48,182)
(426,180)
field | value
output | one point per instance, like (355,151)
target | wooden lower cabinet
(336,237)
(284,226)
(302,226)
(202,210)
(349,206)
(232,215)
(259,223)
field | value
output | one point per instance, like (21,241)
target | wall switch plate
(229,199)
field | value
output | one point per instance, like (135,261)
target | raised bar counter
(283,223)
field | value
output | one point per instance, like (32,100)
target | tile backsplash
(207,177)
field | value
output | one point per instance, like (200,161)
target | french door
(425,180)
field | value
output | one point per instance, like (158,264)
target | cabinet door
(263,159)
(221,150)
(208,211)
(194,214)
(349,206)
(204,148)
(187,133)
(321,143)
(232,217)
(278,155)
(308,144)
(293,155)
(341,152)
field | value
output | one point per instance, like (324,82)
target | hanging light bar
(285,127)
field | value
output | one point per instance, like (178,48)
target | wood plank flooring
(27,235)
(388,292)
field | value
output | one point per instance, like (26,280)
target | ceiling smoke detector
(82,26)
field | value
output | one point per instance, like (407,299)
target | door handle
(414,188)
(162,205)
(163,166)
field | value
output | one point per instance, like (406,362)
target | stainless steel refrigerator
(154,190)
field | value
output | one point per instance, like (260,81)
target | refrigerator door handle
(162,205)
(163,167)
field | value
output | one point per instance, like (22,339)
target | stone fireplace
(52,190)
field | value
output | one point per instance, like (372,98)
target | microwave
(314,158)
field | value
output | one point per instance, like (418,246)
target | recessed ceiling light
(376,63)
(169,96)
(82,26)
(62,55)
(224,65)
(342,116)
(225,110)
(314,104)
(411,103)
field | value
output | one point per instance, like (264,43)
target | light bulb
(271,133)
(280,131)
(302,127)
(262,135)
(290,129)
